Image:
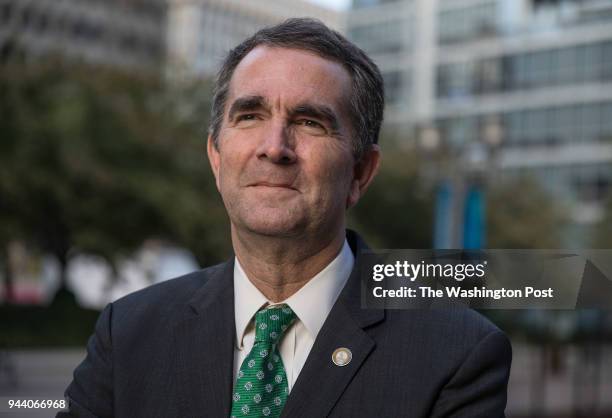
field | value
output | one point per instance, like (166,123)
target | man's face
(284,164)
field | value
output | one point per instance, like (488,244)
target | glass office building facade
(201,32)
(542,71)
(128,34)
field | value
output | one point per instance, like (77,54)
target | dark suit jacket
(167,351)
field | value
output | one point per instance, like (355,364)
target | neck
(280,266)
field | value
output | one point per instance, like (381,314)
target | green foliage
(98,161)
(603,229)
(62,324)
(396,211)
(521,215)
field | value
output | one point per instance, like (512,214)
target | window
(467,23)
(380,37)
(581,65)
(359,4)
(606,121)
(536,125)
(606,70)
(591,129)
(488,75)
(393,87)
(577,64)
(512,123)
(522,71)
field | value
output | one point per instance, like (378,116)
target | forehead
(288,76)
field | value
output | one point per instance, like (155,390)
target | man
(279,330)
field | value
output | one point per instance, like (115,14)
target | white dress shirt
(312,303)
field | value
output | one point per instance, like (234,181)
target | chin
(275,229)
(274,224)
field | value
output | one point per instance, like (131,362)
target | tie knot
(271,323)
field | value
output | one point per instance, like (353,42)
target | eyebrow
(256,102)
(245,104)
(321,112)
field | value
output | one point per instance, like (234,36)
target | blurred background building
(105,189)
(532,77)
(116,33)
(201,32)
(189,36)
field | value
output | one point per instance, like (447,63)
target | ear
(214,158)
(364,172)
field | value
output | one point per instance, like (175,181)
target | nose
(277,146)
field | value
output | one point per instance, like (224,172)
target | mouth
(275,185)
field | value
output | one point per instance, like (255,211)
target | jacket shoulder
(163,298)
(454,330)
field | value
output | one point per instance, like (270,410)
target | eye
(246,116)
(246,120)
(312,125)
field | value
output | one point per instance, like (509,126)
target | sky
(333,4)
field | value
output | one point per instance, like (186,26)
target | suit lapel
(204,341)
(343,328)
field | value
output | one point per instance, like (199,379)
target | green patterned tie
(261,388)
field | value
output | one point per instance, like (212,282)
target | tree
(396,211)
(98,161)
(521,215)
(603,235)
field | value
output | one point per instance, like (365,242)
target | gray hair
(366,103)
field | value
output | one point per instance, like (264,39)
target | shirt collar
(320,291)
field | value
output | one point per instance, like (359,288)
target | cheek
(332,171)
(231,163)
